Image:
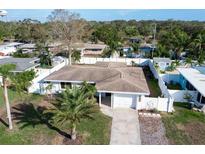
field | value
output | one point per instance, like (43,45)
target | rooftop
(115,77)
(22,64)
(195,77)
(158,59)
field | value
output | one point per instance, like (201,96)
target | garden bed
(152,130)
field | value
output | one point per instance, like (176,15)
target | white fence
(128,61)
(161,104)
(178,95)
(161,83)
(42,73)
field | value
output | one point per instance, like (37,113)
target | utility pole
(154,37)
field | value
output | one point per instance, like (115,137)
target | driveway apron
(125,127)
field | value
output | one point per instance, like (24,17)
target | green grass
(97,131)
(14,97)
(184,126)
(154,87)
(28,135)
(29,129)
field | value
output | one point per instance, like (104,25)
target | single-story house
(93,49)
(134,40)
(146,49)
(22,64)
(28,47)
(193,79)
(8,48)
(117,84)
(163,63)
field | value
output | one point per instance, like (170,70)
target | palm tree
(197,43)
(201,59)
(5,72)
(188,61)
(88,89)
(72,106)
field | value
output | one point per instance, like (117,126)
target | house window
(203,100)
(140,98)
(198,97)
(65,84)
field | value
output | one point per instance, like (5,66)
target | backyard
(32,127)
(184,126)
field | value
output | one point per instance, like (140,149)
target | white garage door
(124,100)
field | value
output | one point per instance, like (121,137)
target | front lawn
(184,126)
(29,128)
(11,93)
(14,97)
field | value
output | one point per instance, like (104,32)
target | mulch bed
(152,131)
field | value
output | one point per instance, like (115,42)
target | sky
(112,14)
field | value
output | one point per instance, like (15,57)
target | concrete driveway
(125,127)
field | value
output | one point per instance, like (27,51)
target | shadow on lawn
(4,123)
(29,115)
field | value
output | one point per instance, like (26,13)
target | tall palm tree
(71,108)
(5,72)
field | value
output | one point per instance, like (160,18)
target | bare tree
(68,28)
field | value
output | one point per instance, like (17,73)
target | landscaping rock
(152,131)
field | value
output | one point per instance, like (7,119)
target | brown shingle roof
(108,77)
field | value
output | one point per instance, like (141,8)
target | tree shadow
(3,122)
(27,114)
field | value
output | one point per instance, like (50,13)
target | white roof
(195,77)
(28,46)
(10,44)
(160,59)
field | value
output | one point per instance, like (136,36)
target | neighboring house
(117,84)
(28,47)
(57,60)
(193,79)
(92,49)
(134,40)
(54,47)
(162,63)
(146,50)
(22,64)
(8,48)
(127,49)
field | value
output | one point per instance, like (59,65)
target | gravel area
(152,131)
